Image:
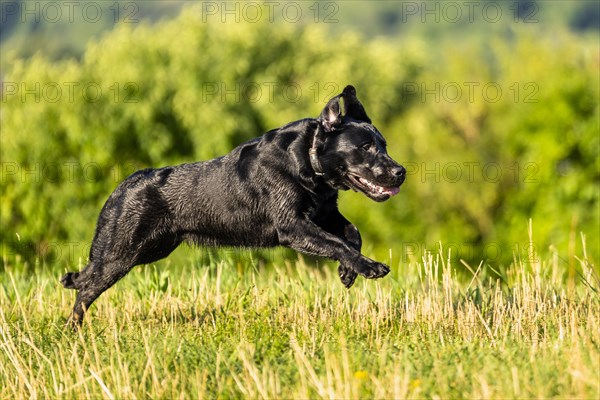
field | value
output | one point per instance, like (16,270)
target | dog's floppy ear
(354,109)
(331,116)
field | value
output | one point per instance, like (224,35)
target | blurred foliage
(60,30)
(492,135)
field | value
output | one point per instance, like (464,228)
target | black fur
(264,193)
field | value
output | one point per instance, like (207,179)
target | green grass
(293,331)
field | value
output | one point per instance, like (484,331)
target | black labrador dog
(278,189)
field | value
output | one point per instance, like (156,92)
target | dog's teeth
(372,186)
(379,189)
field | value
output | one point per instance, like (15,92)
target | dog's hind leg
(91,282)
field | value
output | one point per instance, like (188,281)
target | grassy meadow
(238,329)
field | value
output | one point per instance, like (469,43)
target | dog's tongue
(392,191)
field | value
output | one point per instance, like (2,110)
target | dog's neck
(314,157)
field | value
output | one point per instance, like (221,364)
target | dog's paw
(68,280)
(372,269)
(347,276)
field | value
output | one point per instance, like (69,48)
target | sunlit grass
(293,331)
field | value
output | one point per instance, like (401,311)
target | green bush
(481,163)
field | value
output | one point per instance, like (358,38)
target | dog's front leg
(307,237)
(336,223)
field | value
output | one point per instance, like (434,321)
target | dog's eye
(366,146)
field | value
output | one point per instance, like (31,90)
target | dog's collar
(314,158)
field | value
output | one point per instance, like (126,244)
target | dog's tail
(68,280)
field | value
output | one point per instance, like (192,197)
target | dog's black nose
(399,171)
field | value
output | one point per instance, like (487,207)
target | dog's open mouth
(374,191)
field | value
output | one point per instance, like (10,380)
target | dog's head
(350,153)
